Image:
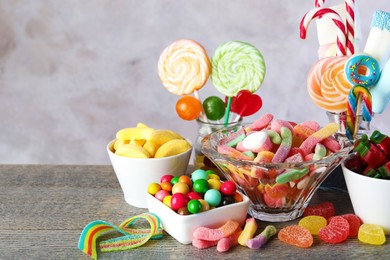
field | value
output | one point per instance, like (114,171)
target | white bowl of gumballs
(367,176)
(141,155)
(187,202)
(278,164)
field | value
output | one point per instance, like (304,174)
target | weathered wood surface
(45,207)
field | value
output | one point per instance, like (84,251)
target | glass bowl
(269,200)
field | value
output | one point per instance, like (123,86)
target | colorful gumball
(228,188)
(214,108)
(188,108)
(200,186)
(178,201)
(194,206)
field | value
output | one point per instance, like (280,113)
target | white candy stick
(378,41)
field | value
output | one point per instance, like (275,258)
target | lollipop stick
(227,114)
(202,114)
(358,115)
(240,112)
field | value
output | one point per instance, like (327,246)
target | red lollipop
(246,103)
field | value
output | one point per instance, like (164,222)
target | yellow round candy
(214,184)
(214,176)
(153,188)
(180,187)
(167,200)
(205,205)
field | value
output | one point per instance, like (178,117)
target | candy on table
(313,223)
(131,237)
(336,231)
(371,234)
(226,243)
(216,234)
(296,235)
(236,66)
(325,209)
(248,232)
(378,40)
(261,239)
(354,224)
(146,142)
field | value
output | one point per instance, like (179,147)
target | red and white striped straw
(350,26)
(319,3)
(331,14)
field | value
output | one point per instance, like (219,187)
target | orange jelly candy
(296,235)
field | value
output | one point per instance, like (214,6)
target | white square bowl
(181,227)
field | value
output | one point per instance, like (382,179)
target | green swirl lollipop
(236,66)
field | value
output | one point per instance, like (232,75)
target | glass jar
(204,129)
(341,119)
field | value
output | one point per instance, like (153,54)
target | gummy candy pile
(274,161)
(201,191)
(372,156)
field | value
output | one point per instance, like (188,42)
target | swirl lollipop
(184,67)
(236,66)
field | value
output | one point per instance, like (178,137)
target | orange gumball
(188,108)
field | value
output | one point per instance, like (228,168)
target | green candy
(214,108)
(291,175)
(236,66)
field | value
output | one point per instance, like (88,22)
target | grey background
(72,73)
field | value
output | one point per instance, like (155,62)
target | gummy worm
(285,145)
(216,234)
(261,239)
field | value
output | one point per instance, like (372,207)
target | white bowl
(181,227)
(369,197)
(135,174)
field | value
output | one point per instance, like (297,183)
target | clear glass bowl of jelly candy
(272,200)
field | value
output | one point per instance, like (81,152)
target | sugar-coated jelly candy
(296,235)
(371,234)
(313,223)
(354,224)
(336,231)
(325,209)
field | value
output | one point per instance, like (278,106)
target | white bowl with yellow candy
(141,155)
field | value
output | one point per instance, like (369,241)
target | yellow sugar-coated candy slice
(140,124)
(172,147)
(139,142)
(151,148)
(118,143)
(371,234)
(313,223)
(161,136)
(133,151)
(134,133)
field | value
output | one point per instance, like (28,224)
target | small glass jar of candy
(204,129)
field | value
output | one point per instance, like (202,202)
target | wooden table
(45,207)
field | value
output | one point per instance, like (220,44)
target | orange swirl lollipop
(327,85)
(184,67)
